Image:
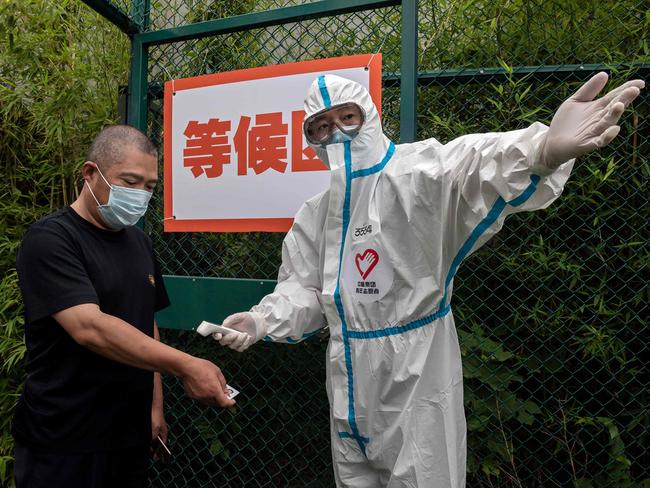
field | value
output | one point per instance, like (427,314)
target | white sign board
(235,156)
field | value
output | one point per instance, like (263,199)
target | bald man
(92,401)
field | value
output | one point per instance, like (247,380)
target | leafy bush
(60,68)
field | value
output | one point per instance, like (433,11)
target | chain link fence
(552,313)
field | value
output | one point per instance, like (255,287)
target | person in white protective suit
(374,258)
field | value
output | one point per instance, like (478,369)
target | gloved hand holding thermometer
(238,331)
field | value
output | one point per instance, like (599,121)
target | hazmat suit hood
(370,144)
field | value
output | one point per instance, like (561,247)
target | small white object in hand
(231,392)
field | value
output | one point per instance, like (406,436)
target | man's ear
(88,169)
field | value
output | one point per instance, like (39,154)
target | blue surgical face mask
(338,136)
(125,206)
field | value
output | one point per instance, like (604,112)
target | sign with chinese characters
(235,157)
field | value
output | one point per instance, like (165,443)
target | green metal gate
(552,313)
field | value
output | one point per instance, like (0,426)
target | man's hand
(158,424)
(250,326)
(582,124)
(204,382)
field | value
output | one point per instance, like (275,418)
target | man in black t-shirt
(92,400)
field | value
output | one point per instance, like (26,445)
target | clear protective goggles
(347,117)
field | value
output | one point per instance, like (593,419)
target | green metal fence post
(138,89)
(138,85)
(137,113)
(138,79)
(409,71)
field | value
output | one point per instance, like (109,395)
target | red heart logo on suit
(366,262)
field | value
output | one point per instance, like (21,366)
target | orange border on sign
(315,66)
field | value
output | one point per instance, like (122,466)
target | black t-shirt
(75,400)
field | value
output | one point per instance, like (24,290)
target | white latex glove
(250,324)
(582,124)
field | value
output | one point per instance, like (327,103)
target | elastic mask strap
(105,180)
(91,190)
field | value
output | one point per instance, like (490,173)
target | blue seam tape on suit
(352,422)
(400,329)
(349,176)
(323,91)
(377,167)
(347,435)
(482,226)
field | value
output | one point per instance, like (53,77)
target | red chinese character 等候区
(206,147)
(302,158)
(263,146)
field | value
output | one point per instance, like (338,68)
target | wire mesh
(277,437)
(552,313)
(174,13)
(474,33)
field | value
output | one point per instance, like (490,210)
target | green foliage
(60,68)
(12,350)
(553,286)
(550,312)
(475,33)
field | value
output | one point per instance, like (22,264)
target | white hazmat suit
(374,258)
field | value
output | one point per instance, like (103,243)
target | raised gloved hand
(250,327)
(582,124)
